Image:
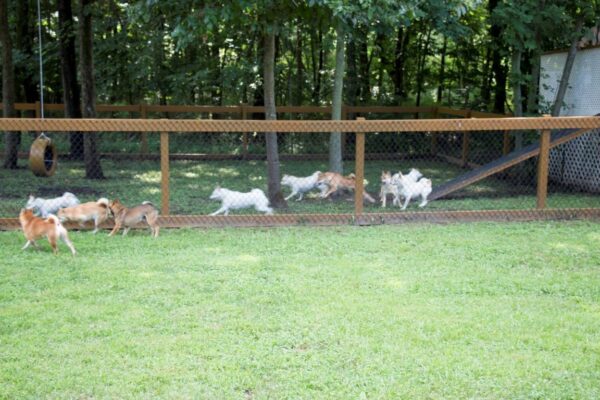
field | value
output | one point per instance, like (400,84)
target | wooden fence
(362,127)
(245,112)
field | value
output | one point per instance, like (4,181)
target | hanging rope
(39,15)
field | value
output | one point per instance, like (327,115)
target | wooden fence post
(164,172)
(245,134)
(38,109)
(144,137)
(434,135)
(465,144)
(542,168)
(359,172)
(343,134)
(506,143)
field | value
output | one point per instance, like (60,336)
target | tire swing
(42,154)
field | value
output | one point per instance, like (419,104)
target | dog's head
(25,215)
(217,194)
(32,202)
(386,177)
(115,206)
(285,179)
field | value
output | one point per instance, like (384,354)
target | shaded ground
(193,181)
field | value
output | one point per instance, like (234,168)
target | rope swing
(42,154)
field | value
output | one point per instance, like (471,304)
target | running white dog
(232,200)
(301,185)
(410,188)
(50,206)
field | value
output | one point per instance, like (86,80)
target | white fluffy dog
(51,206)
(411,187)
(301,185)
(232,200)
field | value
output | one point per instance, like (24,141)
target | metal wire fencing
(219,172)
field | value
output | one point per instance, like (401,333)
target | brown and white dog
(337,181)
(128,217)
(97,211)
(35,228)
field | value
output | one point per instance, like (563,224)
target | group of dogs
(53,212)
(67,208)
(406,186)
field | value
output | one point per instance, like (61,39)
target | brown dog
(337,181)
(35,228)
(93,210)
(128,217)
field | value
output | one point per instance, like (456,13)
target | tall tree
(93,168)
(335,138)
(274,186)
(11,139)
(68,73)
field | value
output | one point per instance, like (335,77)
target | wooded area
(480,55)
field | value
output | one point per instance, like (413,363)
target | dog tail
(103,200)
(148,203)
(426,181)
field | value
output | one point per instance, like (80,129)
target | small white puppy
(50,206)
(411,189)
(301,185)
(232,200)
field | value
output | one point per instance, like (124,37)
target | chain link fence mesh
(479,171)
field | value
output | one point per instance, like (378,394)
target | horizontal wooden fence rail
(185,125)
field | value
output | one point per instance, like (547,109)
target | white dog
(51,206)
(301,185)
(232,200)
(411,189)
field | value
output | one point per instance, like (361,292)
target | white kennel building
(576,163)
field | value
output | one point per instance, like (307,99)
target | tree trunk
(442,77)
(421,66)
(399,69)
(498,69)
(93,168)
(517,98)
(317,62)
(335,138)
(68,72)
(564,79)
(25,45)
(532,90)
(11,139)
(364,83)
(299,95)
(274,188)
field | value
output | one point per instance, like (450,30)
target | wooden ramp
(504,162)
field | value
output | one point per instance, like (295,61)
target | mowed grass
(416,311)
(191,183)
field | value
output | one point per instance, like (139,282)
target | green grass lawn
(482,310)
(192,182)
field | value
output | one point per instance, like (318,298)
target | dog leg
(29,242)
(300,197)
(125,231)
(220,210)
(115,229)
(65,238)
(423,202)
(291,195)
(406,201)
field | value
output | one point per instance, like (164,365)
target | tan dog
(337,181)
(388,187)
(35,228)
(128,217)
(93,210)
